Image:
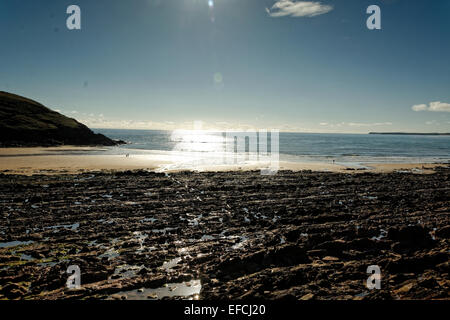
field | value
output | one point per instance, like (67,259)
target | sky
(305,66)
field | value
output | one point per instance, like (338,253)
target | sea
(344,149)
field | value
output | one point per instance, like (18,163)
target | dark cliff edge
(27,123)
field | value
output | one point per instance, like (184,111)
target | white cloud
(294,8)
(435,106)
(100,122)
(439,106)
(420,107)
(357,124)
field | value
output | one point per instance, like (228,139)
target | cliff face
(24,122)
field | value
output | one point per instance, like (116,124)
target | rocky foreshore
(225,235)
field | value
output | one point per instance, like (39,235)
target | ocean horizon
(342,148)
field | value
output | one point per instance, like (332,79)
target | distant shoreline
(413,133)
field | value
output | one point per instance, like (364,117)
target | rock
(410,236)
(334,247)
(317,253)
(443,233)
(293,234)
(262,268)
(362,243)
(417,263)
(143,271)
(444,267)
(330,259)
(379,295)
(429,283)
(95,276)
(8,258)
(404,289)
(308,296)
(281,256)
(37,255)
(13,290)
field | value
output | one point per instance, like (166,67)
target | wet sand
(225,235)
(73,160)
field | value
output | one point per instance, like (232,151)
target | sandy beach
(73,160)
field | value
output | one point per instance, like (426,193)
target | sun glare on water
(197,141)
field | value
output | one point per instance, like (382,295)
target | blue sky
(161,64)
